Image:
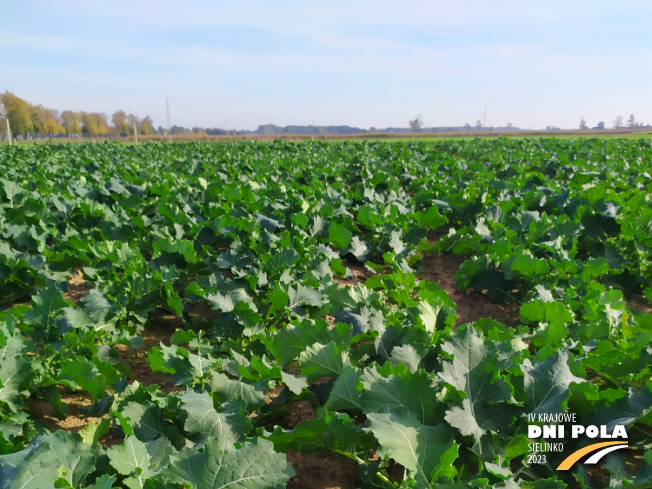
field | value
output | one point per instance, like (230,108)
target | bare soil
(43,411)
(359,272)
(77,287)
(322,470)
(640,304)
(471,305)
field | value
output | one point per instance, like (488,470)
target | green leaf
(345,393)
(217,467)
(278,301)
(300,296)
(46,459)
(73,318)
(85,375)
(187,367)
(337,268)
(130,455)
(93,431)
(289,343)
(359,249)
(140,461)
(319,361)
(428,452)
(401,392)
(333,431)
(475,372)
(252,394)
(45,305)
(546,384)
(227,302)
(368,216)
(15,376)
(294,383)
(431,218)
(205,423)
(339,236)
(436,316)
(145,419)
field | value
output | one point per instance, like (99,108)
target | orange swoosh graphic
(575,456)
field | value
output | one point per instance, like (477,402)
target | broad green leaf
(145,419)
(140,461)
(328,432)
(475,372)
(319,361)
(546,384)
(15,376)
(205,423)
(45,305)
(85,375)
(252,394)
(93,431)
(47,458)
(339,236)
(217,467)
(428,452)
(406,391)
(345,393)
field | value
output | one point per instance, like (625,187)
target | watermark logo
(551,431)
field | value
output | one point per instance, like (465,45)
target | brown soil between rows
(359,274)
(470,305)
(157,331)
(639,304)
(322,470)
(43,411)
(77,287)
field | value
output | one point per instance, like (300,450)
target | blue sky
(361,63)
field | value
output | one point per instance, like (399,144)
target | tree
(18,113)
(94,124)
(618,121)
(120,123)
(631,122)
(147,126)
(52,123)
(509,125)
(601,125)
(37,115)
(416,124)
(478,124)
(70,122)
(467,127)
(583,125)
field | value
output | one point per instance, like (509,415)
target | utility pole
(167,109)
(8,132)
(484,119)
(133,124)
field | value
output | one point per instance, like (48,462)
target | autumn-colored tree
(37,115)
(71,122)
(94,124)
(147,126)
(120,123)
(18,113)
(53,125)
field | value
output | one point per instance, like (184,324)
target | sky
(239,64)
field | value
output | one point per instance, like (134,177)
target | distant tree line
(37,122)
(617,124)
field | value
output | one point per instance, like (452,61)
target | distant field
(391,137)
